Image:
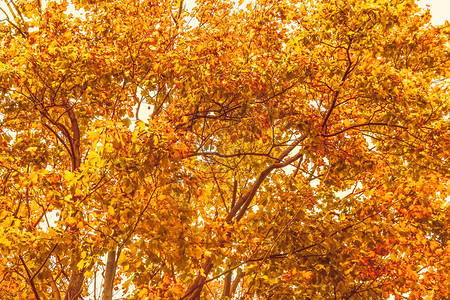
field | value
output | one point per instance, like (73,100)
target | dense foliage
(280,149)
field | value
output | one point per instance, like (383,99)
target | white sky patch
(440,10)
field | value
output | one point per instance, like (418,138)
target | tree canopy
(276,149)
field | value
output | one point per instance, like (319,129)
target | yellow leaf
(142,293)
(69,176)
(34,177)
(346,272)
(31,149)
(308,275)
(80,225)
(140,124)
(51,47)
(71,221)
(111,211)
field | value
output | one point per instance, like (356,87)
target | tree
(292,150)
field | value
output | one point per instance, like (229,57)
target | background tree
(292,149)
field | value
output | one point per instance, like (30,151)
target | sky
(440,10)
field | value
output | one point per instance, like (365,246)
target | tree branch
(362,125)
(245,201)
(30,279)
(45,261)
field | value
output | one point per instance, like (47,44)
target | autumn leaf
(218,150)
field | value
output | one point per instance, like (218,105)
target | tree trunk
(75,286)
(55,291)
(227,286)
(76,280)
(109,276)
(194,291)
(236,281)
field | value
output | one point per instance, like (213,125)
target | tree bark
(236,281)
(227,286)
(55,291)
(194,291)
(76,280)
(75,286)
(109,276)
